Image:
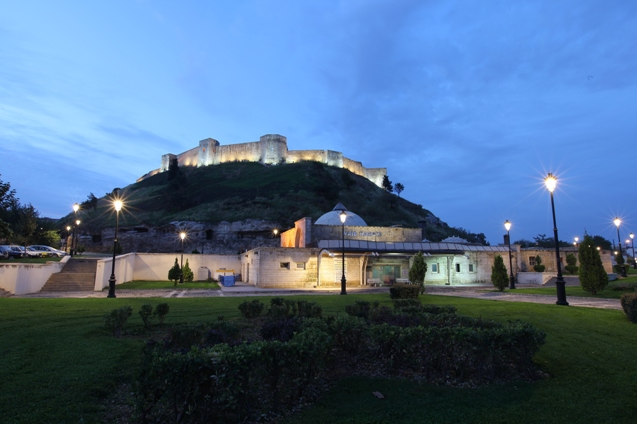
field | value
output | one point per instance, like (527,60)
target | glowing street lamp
(77,224)
(117,204)
(343,217)
(551,182)
(182,235)
(617,223)
(507,225)
(576,241)
(76,208)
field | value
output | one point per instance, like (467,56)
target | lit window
(457,267)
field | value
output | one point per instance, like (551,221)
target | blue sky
(467,103)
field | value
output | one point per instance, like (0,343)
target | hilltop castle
(271,149)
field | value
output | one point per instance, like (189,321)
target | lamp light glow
(343,216)
(507,225)
(76,207)
(118,205)
(551,182)
(617,222)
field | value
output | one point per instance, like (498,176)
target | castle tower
(274,149)
(165,161)
(208,152)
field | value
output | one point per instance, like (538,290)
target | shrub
(572,267)
(439,309)
(624,287)
(307,309)
(161,311)
(592,276)
(417,272)
(175,272)
(281,308)
(361,308)
(404,291)
(184,336)
(116,320)
(281,329)
(629,304)
(251,309)
(538,267)
(348,333)
(499,276)
(188,274)
(221,331)
(146,312)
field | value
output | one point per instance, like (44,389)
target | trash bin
(228,281)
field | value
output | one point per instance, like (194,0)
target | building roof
(333,217)
(378,246)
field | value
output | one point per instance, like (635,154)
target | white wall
(17,278)
(155,266)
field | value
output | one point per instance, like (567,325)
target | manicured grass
(30,260)
(607,293)
(59,365)
(150,285)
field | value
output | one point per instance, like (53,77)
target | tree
(538,267)
(175,272)
(399,188)
(7,202)
(188,274)
(387,185)
(499,276)
(619,260)
(417,271)
(572,267)
(90,203)
(592,276)
(524,243)
(27,223)
(602,242)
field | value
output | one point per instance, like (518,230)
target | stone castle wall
(271,149)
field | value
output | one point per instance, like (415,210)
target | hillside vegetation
(246,190)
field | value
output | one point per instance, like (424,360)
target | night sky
(468,104)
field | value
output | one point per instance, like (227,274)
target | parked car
(7,252)
(50,250)
(33,253)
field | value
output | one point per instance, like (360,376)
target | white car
(50,250)
(30,252)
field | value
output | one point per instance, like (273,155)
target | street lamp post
(77,224)
(551,182)
(617,223)
(76,208)
(117,204)
(182,235)
(632,244)
(507,225)
(343,217)
(576,241)
(68,234)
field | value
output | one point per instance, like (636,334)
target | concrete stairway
(77,275)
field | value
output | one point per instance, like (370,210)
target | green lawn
(59,365)
(607,293)
(149,285)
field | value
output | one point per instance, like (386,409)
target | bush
(404,291)
(281,329)
(499,276)
(251,309)
(175,272)
(592,276)
(307,309)
(188,274)
(185,336)
(538,267)
(348,333)
(624,287)
(629,304)
(361,308)
(146,312)
(161,311)
(572,267)
(116,320)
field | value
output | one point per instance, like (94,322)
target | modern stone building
(271,149)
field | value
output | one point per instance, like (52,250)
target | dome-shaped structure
(333,217)
(455,239)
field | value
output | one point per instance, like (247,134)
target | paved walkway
(483,292)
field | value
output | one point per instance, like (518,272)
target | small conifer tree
(188,274)
(499,276)
(592,276)
(538,267)
(175,272)
(417,271)
(572,267)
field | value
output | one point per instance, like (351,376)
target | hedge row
(209,372)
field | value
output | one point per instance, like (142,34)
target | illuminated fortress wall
(271,149)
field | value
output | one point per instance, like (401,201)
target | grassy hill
(246,190)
